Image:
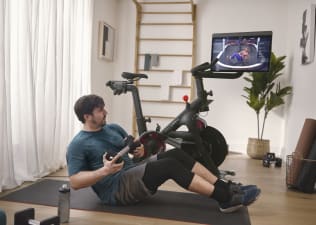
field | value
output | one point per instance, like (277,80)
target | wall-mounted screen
(244,51)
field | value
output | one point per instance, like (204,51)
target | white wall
(125,49)
(102,70)
(303,104)
(229,112)
(121,15)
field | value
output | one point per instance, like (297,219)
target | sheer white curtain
(45,51)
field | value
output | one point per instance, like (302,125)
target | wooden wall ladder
(164,50)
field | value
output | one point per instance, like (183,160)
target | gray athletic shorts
(131,187)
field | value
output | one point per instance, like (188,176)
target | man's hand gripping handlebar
(153,143)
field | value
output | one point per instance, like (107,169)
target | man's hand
(139,152)
(111,166)
(87,178)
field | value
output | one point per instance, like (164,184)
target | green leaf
(265,92)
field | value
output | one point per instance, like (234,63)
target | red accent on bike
(200,124)
(185,98)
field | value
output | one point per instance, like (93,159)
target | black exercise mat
(178,206)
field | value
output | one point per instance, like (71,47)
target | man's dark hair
(86,104)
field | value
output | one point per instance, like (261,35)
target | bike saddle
(133,76)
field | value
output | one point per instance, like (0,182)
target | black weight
(110,155)
(215,143)
(131,143)
(266,162)
(278,162)
(22,217)
(270,156)
(51,221)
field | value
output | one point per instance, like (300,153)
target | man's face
(98,117)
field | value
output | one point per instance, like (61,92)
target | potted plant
(264,94)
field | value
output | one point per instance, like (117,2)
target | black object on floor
(23,217)
(168,205)
(307,178)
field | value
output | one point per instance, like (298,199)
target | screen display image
(247,51)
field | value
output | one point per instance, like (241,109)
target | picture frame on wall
(106,41)
(307,41)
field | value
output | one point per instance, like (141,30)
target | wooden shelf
(170,55)
(158,86)
(154,70)
(163,101)
(160,117)
(149,85)
(166,12)
(180,86)
(166,39)
(166,24)
(163,3)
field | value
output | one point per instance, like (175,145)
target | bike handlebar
(204,71)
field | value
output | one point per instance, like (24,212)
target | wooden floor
(276,205)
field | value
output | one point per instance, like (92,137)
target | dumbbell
(130,146)
(270,158)
(153,143)
(26,217)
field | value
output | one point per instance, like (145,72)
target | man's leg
(190,164)
(157,172)
(197,168)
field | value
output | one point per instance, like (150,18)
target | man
(123,183)
(240,57)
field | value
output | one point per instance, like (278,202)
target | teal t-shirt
(85,153)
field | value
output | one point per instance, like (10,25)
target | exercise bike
(204,143)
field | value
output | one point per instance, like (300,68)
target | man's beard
(99,124)
(103,122)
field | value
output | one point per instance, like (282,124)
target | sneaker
(240,187)
(251,195)
(235,203)
(240,199)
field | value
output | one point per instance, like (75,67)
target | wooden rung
(166,39)
(163,101)
(180,86)
(158,86)
(171,55)
(149,85)
(166,12)
(167,24)
(160,117)
(161,3)
(154,70)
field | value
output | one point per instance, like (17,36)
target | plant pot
(257,148)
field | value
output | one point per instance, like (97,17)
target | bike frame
(188,117)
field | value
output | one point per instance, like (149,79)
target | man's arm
(87,178)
